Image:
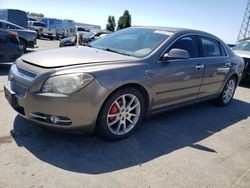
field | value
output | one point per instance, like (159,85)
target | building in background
(88,26)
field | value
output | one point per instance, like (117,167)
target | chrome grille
(26,73)
(19,90)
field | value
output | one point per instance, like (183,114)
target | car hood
(67,39)
(245,54)
(72,56)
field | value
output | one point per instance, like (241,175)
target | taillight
(14,34)
(14,37)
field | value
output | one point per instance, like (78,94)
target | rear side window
(210,47)
(223,51)
(188,43)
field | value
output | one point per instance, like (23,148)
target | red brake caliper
(113,110)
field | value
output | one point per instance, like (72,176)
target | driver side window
(188,43)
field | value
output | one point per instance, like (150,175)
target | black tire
(23,44)
(221,100)
(102,128)
(51,38)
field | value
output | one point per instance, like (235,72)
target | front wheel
(227,93)
(121,114)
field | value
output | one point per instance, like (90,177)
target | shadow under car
(157,136)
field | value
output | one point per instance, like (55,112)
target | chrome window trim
(37,116)
(194,34)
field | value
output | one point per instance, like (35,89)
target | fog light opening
(52,119)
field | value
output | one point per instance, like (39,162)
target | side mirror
(176,53)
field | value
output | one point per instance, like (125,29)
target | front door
(178,81)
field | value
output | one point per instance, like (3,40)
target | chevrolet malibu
(110,86)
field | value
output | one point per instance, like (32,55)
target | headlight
(67,83)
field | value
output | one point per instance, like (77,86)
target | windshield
(39,24)
(138,42)
(243,46)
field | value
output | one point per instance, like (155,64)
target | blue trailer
(15,16)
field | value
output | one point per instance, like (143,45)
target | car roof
(174,29)
(97,31)
(170,29)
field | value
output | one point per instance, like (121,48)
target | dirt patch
(5,139)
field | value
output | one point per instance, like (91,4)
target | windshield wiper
(115,51)
(88,45)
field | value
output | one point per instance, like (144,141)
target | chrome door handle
(199,66)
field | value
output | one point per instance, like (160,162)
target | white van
(62,28)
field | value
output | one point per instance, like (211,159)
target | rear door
(217,65)
(178,81)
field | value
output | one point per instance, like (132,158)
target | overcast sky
(220,17)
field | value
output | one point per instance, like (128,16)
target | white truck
(49,31)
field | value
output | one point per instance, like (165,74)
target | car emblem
(11,76)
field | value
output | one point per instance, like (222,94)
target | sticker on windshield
(163,32)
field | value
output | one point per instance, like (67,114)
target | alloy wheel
(123,114)
(229,91)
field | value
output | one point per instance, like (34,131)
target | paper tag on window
(163,32)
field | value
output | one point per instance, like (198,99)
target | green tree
(124,21)
(111,24)
(35,14)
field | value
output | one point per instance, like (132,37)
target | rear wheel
(227,94)
(121,114)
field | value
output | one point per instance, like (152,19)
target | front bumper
(76,112)
(31,44)
(48,35)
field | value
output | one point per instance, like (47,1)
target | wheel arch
(136,86)
(23,39)
(235,75)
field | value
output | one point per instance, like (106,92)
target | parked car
(82,30)
(27,37)
(84,38)
(14,16)
(243,50)
(39,27)
(10,48)
(231,45)
(111,85)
